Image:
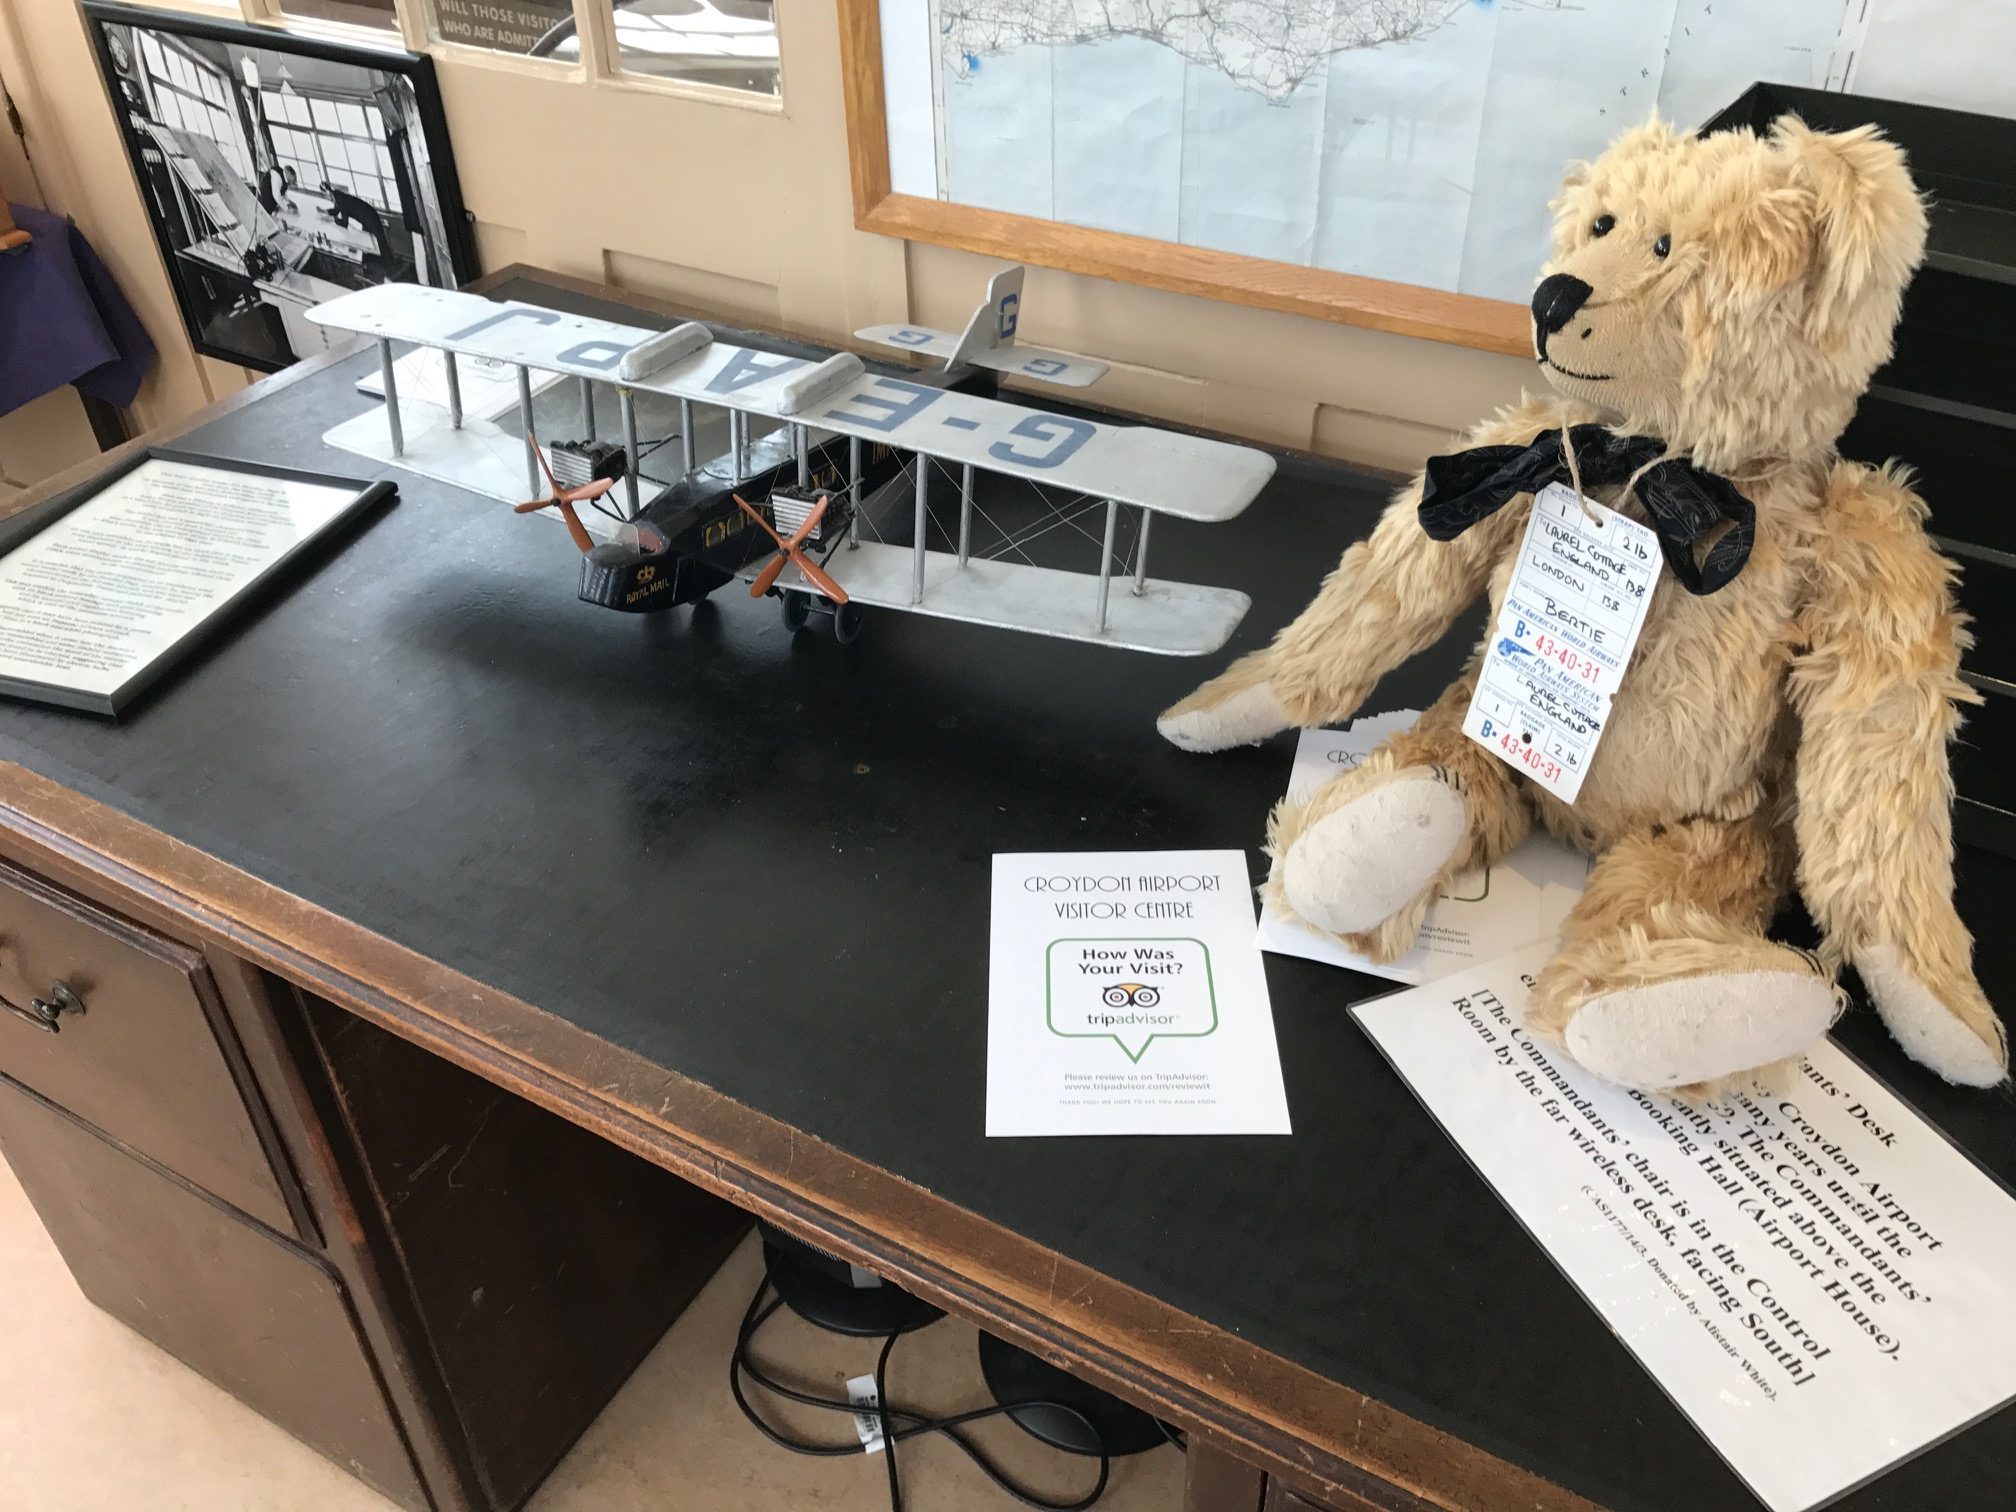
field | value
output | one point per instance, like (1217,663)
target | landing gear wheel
(846,623)
(797,610)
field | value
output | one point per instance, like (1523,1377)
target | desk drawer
(264,1319)
(140,1047)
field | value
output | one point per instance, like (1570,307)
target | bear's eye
(1602,225)
(1662,246)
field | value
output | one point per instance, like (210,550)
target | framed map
(1380,162)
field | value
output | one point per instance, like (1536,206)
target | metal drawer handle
(45,1012)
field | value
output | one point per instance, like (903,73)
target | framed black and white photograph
(280,171)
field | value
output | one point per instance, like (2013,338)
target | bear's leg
(1665,978)
(1366,855)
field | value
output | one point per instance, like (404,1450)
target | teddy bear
(1712,310)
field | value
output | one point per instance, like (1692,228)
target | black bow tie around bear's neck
(1686,505)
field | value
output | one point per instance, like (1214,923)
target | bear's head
(1731,293)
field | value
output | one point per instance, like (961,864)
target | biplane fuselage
(692,537)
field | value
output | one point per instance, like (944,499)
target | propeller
(787,551)
(564,499)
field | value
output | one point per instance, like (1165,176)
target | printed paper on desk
(1125,995)
(1815,1276)
(1571,617)
(1481,915)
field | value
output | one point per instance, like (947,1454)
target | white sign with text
(1126,996)
(1814,1275)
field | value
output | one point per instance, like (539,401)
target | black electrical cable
(915,1423)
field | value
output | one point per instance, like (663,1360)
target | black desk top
(764,863)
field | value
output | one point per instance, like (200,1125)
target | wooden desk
(721,897)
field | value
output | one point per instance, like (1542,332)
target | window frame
(385,199)
(417,29)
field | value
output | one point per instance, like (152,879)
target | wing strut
(854,490)
(391,397)
(917,539)
(1106,561)
(626,399)
(965,514)
(532,461)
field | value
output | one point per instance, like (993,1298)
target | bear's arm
(1875,687)
(1394,593)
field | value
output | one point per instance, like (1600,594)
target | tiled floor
(95,1419)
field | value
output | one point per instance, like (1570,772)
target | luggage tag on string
(1572,615)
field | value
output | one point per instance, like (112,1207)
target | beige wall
(746,209)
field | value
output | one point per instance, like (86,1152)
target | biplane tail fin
(993,324)
(989,340)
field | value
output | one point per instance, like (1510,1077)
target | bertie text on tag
(1571,618)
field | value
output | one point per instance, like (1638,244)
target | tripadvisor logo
(1129,994)
(1132,991)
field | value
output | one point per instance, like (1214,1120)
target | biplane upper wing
(1186,476)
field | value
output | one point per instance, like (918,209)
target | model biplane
(833,508)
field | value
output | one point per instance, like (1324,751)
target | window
(190,95)
(380,15)
(731,43)
(531,28)
(331,141)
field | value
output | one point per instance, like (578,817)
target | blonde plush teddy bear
(1713,310)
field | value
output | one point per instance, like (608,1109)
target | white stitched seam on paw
(1931,1032)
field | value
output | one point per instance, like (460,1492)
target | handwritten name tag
(1570,621)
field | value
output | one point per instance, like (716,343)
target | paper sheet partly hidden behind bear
(1125,995)
(1815,1276)
(1481,915)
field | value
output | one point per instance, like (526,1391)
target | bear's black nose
(1555,302)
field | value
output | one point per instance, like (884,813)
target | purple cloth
(63,319)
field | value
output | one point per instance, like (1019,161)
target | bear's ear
(1771,242)
(1868,220)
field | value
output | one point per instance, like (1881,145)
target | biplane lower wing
(1171,619)
(1189,477)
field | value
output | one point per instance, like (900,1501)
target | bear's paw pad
(1355,868)
(1691,1030)
(1930,1032)
(1244,718)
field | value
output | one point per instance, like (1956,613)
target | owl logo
(1131,995)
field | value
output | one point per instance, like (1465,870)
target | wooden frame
(1491,325)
